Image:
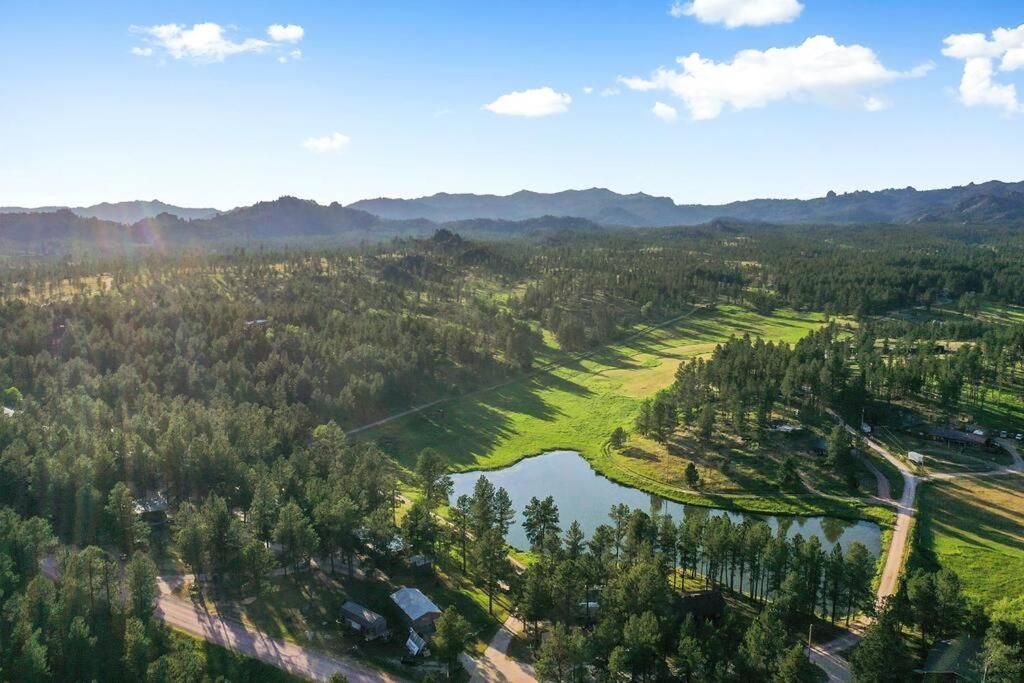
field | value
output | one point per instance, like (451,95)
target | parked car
(1020,437)
(1002,434)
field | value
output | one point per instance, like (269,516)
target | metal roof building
(417,609)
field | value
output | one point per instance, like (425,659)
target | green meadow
(975,526)
(577,405)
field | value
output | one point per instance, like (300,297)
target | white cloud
(587,90)
(665,112)
(208,42)
(735,13)
(335,142)
(817,68)
(978,87)
(610,92)
(531,103)
(292,33)
(874,104)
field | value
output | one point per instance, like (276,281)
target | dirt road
(495,666)
(826,656)
(184,615)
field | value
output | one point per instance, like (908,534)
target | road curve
(184,615)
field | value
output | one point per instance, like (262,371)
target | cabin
(363,621)
(152,509)
(418,611)
(955,436)
(819,446)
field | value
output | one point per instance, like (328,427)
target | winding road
(827,655)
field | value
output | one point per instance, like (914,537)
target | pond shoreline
(585,493)
(767,503)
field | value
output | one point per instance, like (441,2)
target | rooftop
(356,612)
(414,603)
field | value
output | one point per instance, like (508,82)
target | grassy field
(577,405)
(975,526)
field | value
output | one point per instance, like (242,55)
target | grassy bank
(577,405)
(975,526)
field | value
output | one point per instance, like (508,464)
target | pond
(585,496)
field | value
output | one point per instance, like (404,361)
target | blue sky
(390,99)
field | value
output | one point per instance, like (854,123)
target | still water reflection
(584,495)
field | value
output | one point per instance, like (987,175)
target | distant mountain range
(993,199)
(121,212)
(287,218)
(522,213)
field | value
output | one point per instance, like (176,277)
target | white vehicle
(1002,435)
(1020,437)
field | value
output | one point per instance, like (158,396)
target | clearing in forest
(577,405)
(975,526)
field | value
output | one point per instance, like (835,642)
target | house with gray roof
(418,611)
(365,621)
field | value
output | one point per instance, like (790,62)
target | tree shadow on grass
(961,514)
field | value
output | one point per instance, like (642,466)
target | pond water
(585,496)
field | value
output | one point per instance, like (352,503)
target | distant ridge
(286,218)
(125,213)
(638,210)
(560,214)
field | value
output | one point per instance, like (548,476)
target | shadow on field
(957,511)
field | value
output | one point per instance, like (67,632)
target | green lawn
(975,526)
(577,405)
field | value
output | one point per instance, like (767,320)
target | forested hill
(122,212)
(635,210)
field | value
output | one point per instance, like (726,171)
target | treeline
(328,500)
(746,381)
(615,600)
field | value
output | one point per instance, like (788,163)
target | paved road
(184,615)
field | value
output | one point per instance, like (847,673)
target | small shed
(418,611)
(9,412)
(415,643)
(819,445)
(915,457)
(366,622)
